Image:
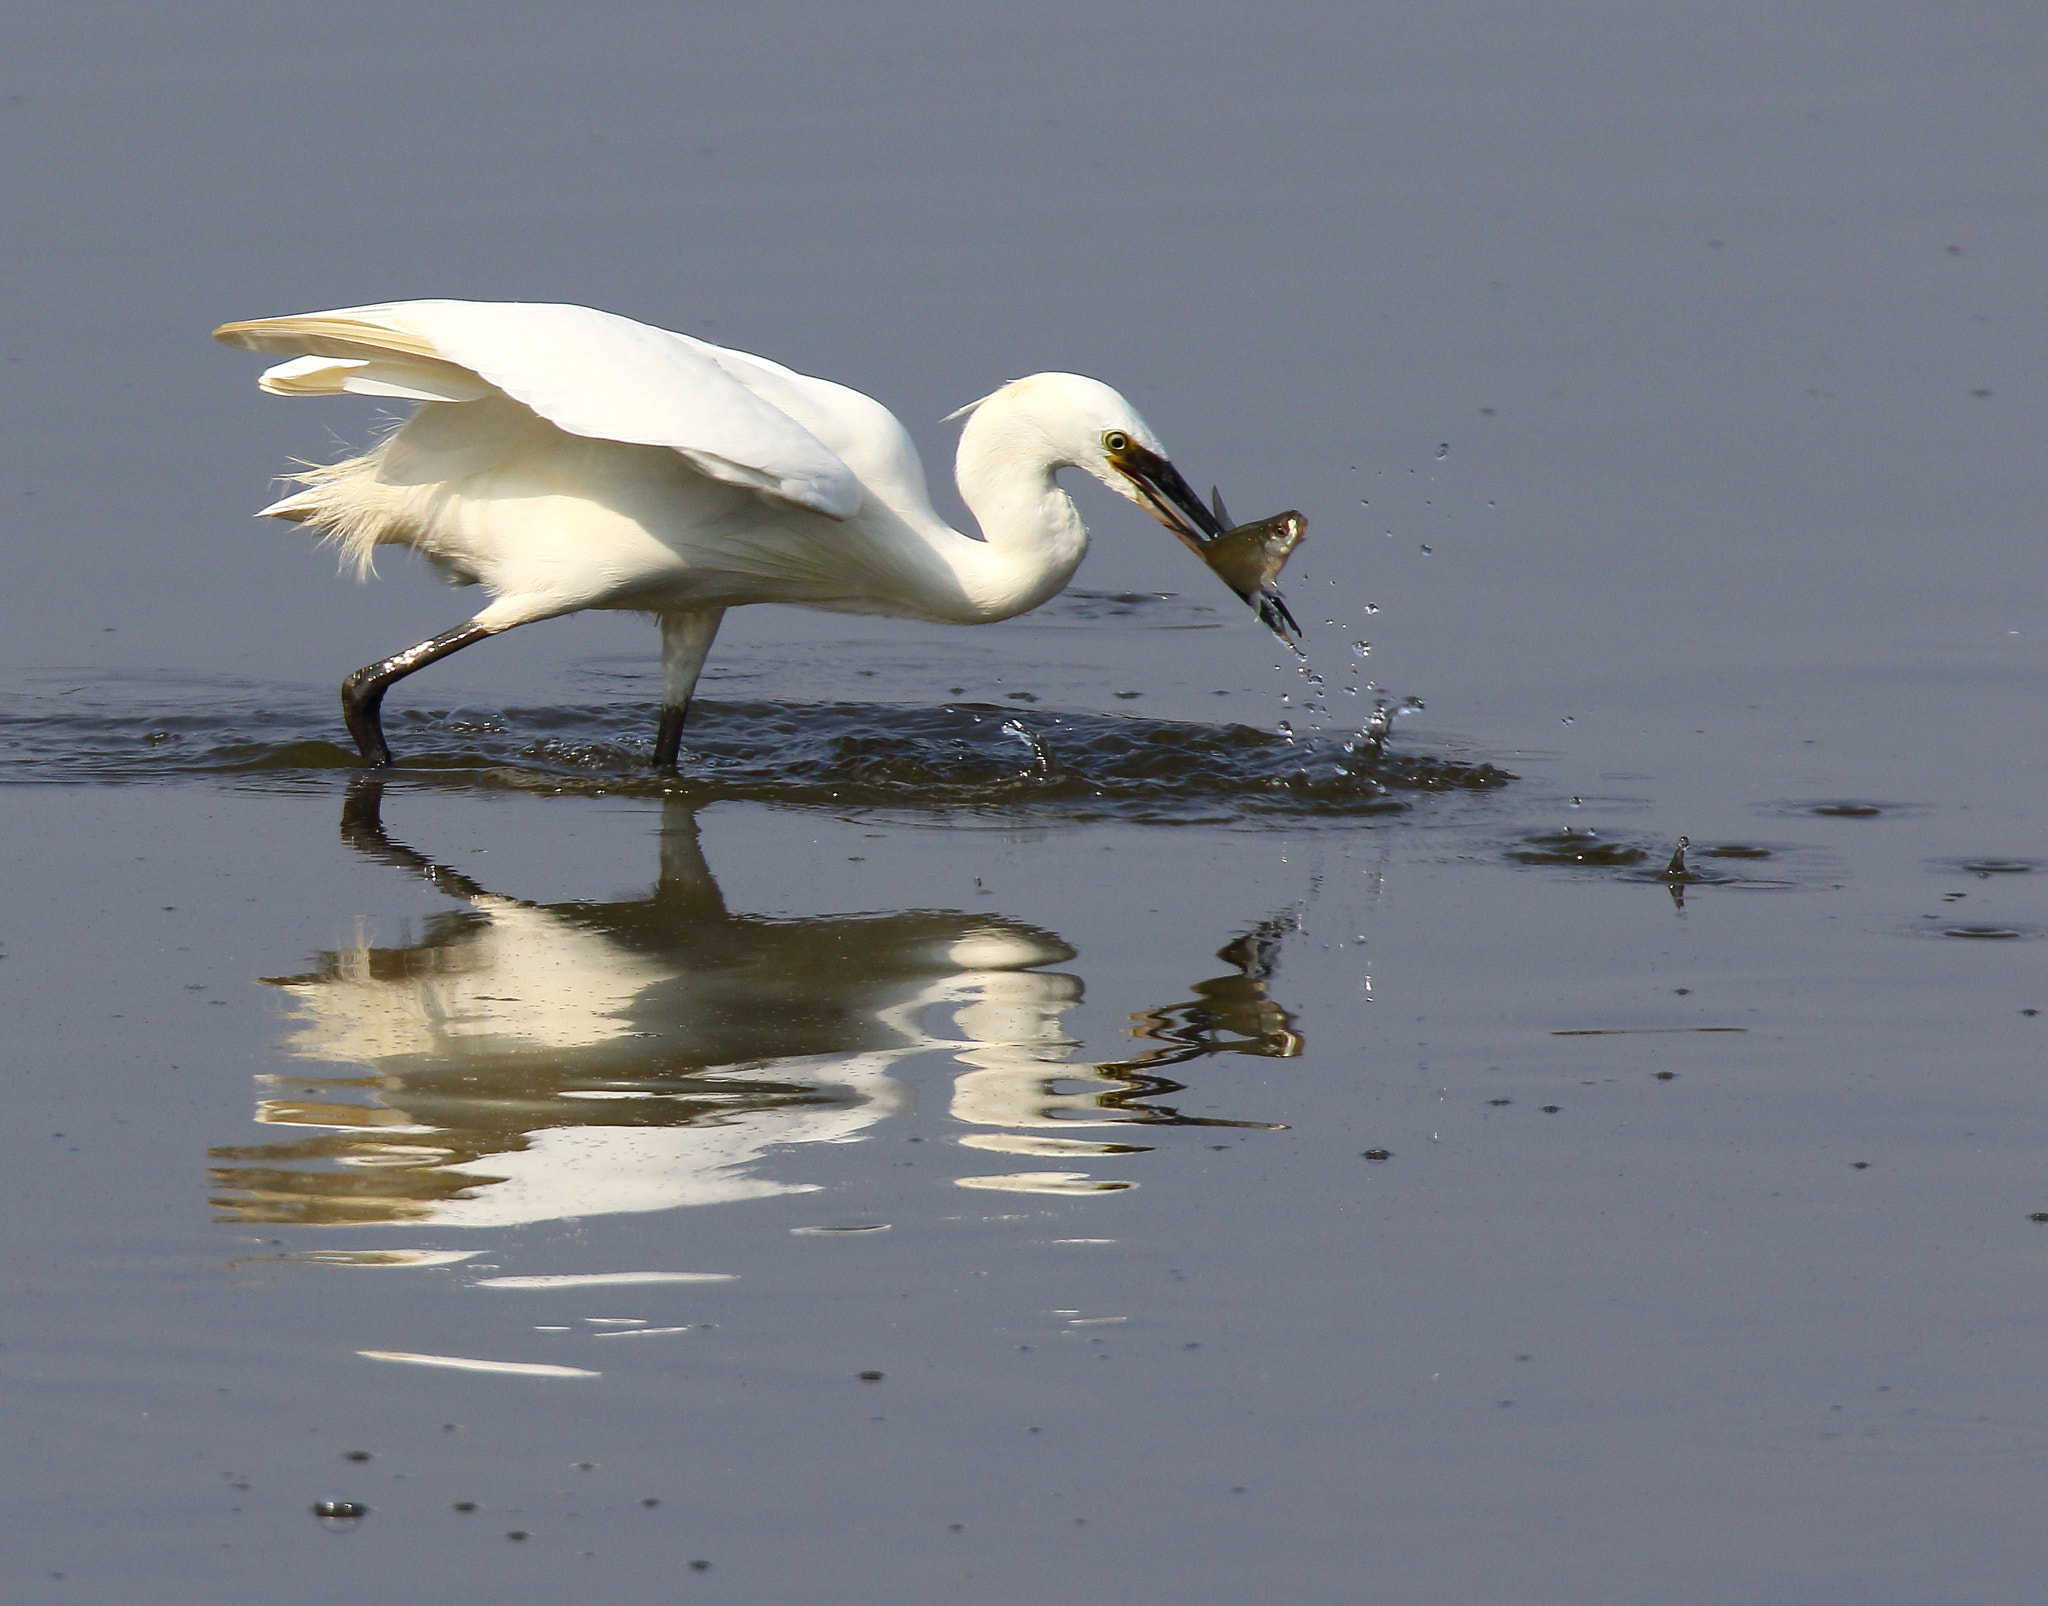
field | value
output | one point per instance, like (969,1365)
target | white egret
(566,459)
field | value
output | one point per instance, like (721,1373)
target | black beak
(1171,499)
(1247,559)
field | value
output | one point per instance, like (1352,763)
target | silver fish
(1248,559)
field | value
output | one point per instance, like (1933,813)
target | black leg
(685,641)
(668,740)
(362,694)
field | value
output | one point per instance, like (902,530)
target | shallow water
(1326,1186)
(1072,1110)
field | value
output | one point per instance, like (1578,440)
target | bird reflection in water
(525,1062)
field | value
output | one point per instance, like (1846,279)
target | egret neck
(1032,536)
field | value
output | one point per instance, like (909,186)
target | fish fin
(1275,616)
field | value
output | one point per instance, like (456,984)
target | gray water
(1012,1123)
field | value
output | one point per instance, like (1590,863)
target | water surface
(1072,1110)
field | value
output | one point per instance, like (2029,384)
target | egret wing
(587,372)
(863,433)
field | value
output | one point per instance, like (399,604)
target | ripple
(1160,610)
(1581,848)
(1846,808)
(958,756)
(1667,862)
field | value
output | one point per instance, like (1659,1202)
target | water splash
(959,756)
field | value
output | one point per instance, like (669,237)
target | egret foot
(362,694)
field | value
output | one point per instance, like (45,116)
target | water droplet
(1566,720)
(1361,649)
(1372,607)
(1443,451)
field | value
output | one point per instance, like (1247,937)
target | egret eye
(1115,442)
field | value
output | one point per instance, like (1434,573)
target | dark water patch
(1985,869)
(1980,930)
(1579,849)
(1846,808)
(1674,863)
(1156,610)
(1647,1031)
(957,757)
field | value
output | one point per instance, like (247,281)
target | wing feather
(590,373)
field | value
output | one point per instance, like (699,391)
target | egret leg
(362,694)
(685,642)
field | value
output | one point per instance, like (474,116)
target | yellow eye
(1115,442)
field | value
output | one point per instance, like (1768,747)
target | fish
(1248,558)
(1245,557)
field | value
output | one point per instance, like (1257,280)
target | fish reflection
(1229,1014)
(525,1062)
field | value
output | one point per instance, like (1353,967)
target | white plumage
(565,458)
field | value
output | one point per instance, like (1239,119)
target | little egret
(566,458)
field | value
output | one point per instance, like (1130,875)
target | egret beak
(1169,497)
(1247,559)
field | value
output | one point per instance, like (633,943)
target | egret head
(1074,422)
(1068,421)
